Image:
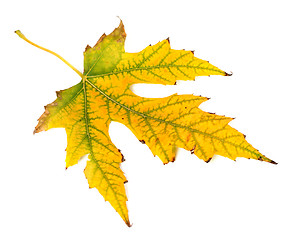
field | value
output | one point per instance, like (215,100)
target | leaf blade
(103,95)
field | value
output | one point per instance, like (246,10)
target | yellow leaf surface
(164,124)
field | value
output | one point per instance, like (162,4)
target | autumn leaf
(103,95)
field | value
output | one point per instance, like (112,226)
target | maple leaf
(103,95)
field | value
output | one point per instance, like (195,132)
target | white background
(187,199)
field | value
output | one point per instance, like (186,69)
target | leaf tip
(128,223)
(228,74)
(87,47)
(121,28)
(267,160)
(58,93)
(273,162)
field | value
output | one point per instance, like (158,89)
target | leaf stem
(19,33)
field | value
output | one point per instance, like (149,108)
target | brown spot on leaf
(123,159)
(193,150)
(142,141)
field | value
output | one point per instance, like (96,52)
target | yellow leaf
(103,95)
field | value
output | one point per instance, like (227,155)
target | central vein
(85,108)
